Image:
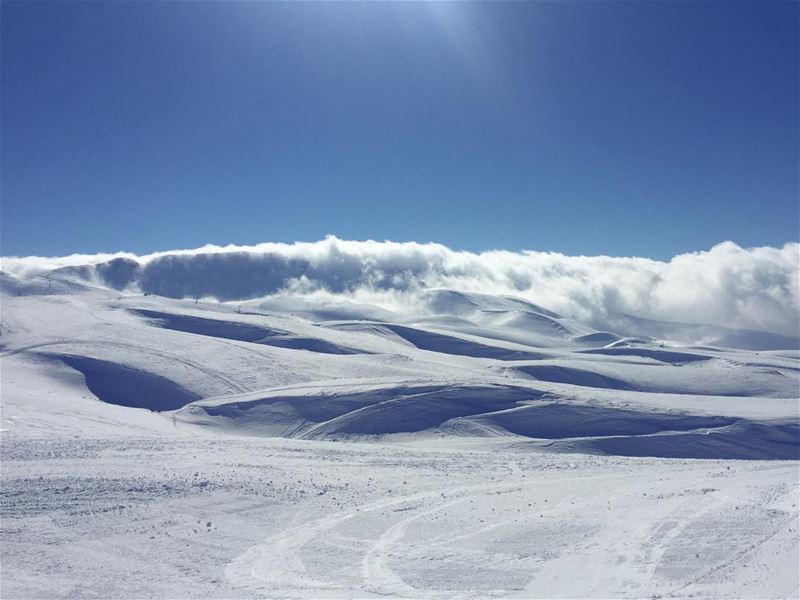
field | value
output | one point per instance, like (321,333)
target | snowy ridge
(693,298)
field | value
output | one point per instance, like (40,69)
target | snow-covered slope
(500,393)
(471,365)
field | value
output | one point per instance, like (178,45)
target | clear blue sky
(622,128)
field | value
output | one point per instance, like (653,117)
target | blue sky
(623,128)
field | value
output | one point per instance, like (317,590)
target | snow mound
(556,420)
(460,346)
(572,376)
(599,337)
(494,411)
(366,410)
(470,304)
(242,332)
(664,356)
(743,440)
(125,386)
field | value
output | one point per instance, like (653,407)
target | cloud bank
(728,285)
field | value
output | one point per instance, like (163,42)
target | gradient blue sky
(622,128)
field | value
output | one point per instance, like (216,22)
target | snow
(465,445)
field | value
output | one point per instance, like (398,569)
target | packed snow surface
(468,445)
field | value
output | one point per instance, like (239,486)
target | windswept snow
(726,286)
(465,445)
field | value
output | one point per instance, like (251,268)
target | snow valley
(362,419)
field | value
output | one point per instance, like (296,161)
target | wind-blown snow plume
(726,285)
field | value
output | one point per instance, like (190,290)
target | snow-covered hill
(468,365)
(452,444)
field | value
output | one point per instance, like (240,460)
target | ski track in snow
(274,567)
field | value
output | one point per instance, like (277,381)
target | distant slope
(704,335)
(456,367)
(243,332)
(447,344)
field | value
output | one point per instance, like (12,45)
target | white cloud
(726,285)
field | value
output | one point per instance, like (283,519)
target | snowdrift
(450,366)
